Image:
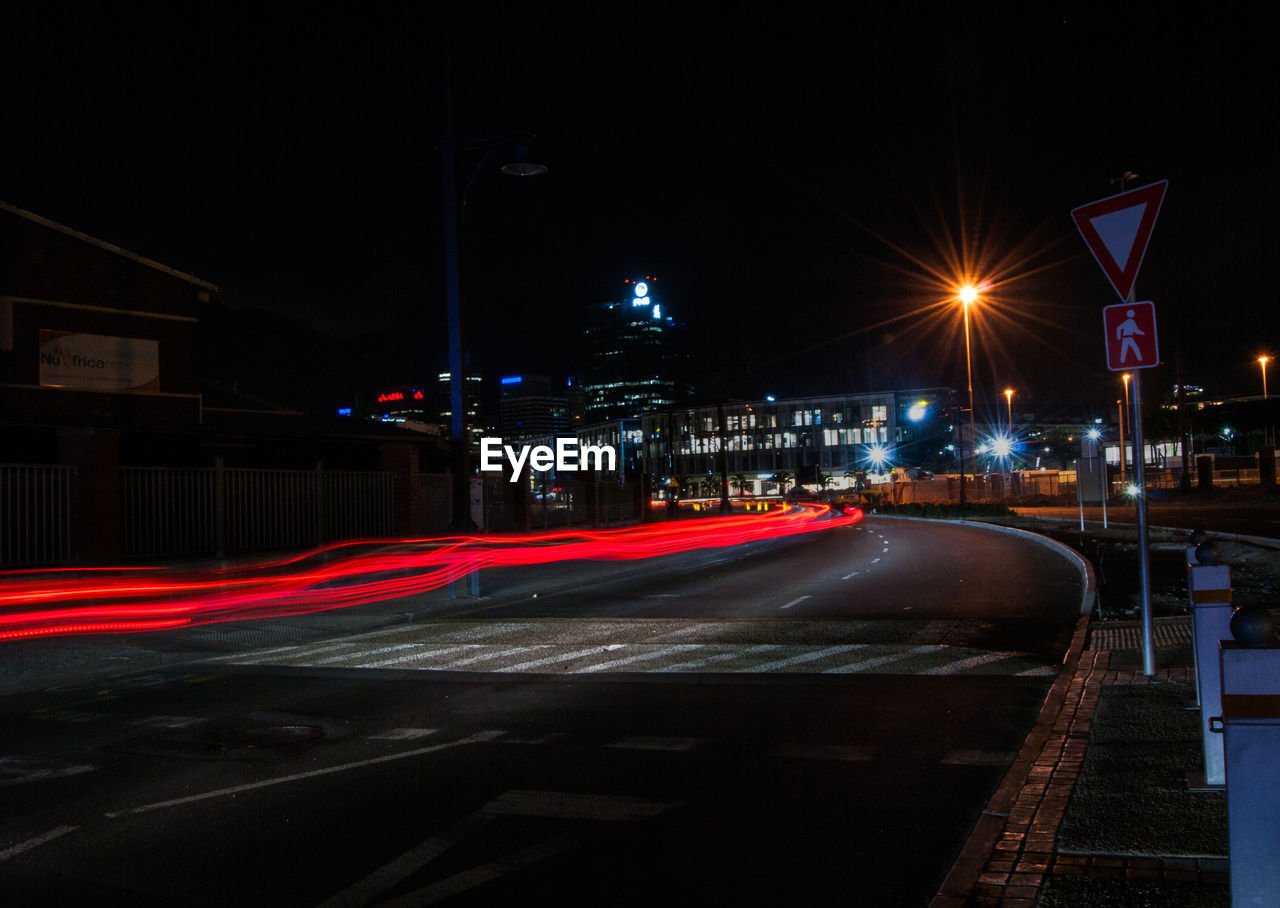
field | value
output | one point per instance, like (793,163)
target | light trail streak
(53,603)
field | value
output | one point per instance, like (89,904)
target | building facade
(811,441)
(528,407)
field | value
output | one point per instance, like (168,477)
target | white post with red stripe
(1210,587)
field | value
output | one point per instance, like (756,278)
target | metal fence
(173,511)
(35,514)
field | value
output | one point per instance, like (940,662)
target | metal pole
(1121,409)
(973,435)
(1144,555)
(459,443)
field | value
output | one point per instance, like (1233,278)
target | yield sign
(1131,336)
(1117,229)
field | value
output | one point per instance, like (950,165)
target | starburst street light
(1262,361)
(1008,396)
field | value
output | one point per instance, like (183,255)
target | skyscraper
(638,361)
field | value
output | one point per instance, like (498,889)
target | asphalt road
(803,721)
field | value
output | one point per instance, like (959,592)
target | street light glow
(968,294)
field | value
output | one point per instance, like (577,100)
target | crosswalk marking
(881,660)
(663,645)
(641,657)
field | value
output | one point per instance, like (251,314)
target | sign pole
(1144,554)
(1117,230)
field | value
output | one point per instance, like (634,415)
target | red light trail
(120,600)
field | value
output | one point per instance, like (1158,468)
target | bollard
(1210,588)
(1250,724)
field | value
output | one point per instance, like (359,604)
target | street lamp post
(968,295)
(1266,432)
(459,442)
(1008,397)
(1123,411)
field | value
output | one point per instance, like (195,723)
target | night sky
(804,186)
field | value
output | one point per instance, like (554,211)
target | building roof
(84,237)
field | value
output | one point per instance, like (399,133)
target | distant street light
(1262,361)
(1008,396)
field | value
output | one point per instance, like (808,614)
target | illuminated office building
(528,407)
(637,358)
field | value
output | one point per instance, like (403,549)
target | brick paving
(1023,855)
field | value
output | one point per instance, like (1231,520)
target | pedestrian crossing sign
(1131,336)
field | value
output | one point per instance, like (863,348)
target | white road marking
(637,742)
(168,721)
(548,660)
(972,662)
(55,833)
(368,652)
(795,601)
(423,653)
(854,574)
(880,660)
(483,657)
(367,890)
(295,650)
(640,657)
(404,734)
(805,657)
(874,560)
(720,657)
(20,771)
(478,876)
(477,738)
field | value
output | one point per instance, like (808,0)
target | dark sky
(803,185)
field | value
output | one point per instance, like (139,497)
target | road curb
(958,886)
(1090,597)
(963,877)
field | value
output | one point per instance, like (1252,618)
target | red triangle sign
(1117,230)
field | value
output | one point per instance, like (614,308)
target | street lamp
(1008,397)
(968,295)
(459,441)
(1262,361)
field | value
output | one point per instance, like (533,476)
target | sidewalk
(1096,811)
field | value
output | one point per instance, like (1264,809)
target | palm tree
(739,480)
(782,477)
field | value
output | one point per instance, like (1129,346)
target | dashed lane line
(477,738)
(55,833)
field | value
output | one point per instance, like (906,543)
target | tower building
(638,361)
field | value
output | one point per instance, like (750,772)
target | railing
(35,514)
(172,511)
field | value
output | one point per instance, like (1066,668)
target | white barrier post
(1210,587)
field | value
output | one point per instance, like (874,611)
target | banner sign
(95,362)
